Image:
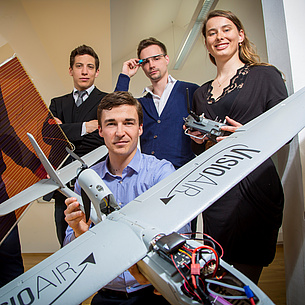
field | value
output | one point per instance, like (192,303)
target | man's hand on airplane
(75,217)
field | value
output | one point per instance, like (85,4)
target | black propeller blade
(76,157)
(86,203)
(85,198)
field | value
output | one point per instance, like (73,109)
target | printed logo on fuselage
(212,170)
(49,286)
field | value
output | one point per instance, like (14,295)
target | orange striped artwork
(22,111)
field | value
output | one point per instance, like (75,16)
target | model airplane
(173,252)
(135,230)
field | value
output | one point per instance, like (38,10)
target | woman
(246,220)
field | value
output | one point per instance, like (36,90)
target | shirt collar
(149,89)
(88,90)
(134,164)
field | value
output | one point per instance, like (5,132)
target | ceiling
(142,19)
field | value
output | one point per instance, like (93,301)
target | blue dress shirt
(141,173)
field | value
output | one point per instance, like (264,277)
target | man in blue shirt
(127,173)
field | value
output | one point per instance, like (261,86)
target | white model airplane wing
(79,269)
(82,267)
(46,186)
(28,195)
(198,184)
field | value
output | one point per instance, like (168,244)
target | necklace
(220,84)
(226,78)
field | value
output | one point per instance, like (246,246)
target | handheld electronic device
(208,128)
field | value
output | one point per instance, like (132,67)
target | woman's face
(222,38)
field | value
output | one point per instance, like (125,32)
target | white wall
(282,22)
(294,224)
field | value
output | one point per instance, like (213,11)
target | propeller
(87,204)
(85,198)
(76,157)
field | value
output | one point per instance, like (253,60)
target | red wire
(209,248)
(194,257)
(187,249)
(216,243)
(185,280)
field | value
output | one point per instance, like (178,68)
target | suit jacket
(72,118)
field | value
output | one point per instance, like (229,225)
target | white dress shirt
(160,101)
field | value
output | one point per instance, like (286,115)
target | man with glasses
(164,105)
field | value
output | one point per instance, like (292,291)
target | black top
(245,221)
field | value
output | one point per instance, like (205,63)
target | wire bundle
(205,279)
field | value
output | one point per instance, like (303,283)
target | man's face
(120,130)
(155,67)
(83,72)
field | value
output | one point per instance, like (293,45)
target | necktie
(79,100)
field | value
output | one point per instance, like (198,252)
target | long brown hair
(247,53)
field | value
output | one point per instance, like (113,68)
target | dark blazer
(72,118)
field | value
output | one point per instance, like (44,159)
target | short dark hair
(149,42)
(116,99)
(84,50)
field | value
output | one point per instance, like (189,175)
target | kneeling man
(127,173)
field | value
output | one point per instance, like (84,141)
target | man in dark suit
(76,113)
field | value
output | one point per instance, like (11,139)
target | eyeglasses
(153,58)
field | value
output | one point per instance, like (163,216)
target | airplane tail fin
(45,162)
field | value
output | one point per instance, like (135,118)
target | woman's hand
(234,126)
(196,136)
